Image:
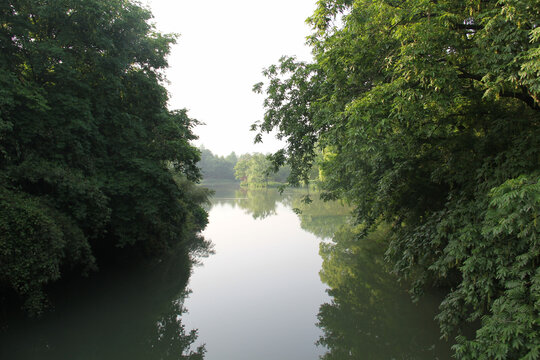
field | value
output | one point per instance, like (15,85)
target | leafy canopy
(427,115)
(88,149)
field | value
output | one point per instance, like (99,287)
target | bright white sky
(222,50)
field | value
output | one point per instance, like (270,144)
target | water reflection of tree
(259,203)
(170,340)
(370,316)
(319,217)
(129,314)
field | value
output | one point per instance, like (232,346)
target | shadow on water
(124,314)
(371,316)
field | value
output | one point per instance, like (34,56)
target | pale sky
(222,50)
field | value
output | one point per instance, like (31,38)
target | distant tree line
(255,170)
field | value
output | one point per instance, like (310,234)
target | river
(270,290)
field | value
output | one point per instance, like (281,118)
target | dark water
(129,314)
(270,291)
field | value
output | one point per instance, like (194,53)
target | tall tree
(87,146)
(428,117)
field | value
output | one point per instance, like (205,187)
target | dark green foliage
(510,253)
(36,240)
(88,148)
(427,114)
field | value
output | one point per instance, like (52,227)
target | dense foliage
(427,114)
(91,160)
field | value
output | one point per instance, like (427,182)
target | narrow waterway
(287,280)
(258,296)
(266,293)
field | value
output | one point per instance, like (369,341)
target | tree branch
(466,75)
(523,96)
(468,26)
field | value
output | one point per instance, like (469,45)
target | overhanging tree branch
(523,96)
(468,26)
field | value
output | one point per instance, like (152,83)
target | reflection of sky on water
(258,296)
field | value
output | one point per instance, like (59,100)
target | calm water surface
(258,296)
(270,291)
